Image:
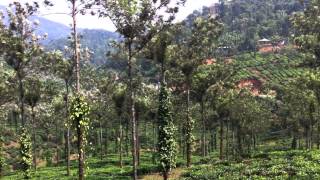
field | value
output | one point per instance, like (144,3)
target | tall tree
(33,95)
(307,26)
(119,100)
(63,68)
(20,45)
(194,46)
(138,21)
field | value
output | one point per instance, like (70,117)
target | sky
(61,6)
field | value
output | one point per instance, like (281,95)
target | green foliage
(272,165)
(2,156)
(273,68)
(26,153)
(167,143)
(307,24)
(79,112)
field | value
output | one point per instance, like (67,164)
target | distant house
(267,46)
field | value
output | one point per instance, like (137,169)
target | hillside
(96,40)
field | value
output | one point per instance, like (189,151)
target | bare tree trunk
(34,138)
(221,139)
(132,114)
(138,137)
(239,141)
(233,141)
(120,142)
(165,176)
(127,139)
(203,128)
(227,141)
(318,135)
(189,128)
(294,142)
(67,134)
(154,143)
(106,144)
(101,140)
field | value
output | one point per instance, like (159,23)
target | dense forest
(231,92)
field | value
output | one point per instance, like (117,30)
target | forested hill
(94,39)
(55,30)
(247,21)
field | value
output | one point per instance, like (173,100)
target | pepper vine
(167,143)
(79,112)
(26,153)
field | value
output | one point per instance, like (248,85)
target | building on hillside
(267,46)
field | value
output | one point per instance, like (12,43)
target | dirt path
(175,175)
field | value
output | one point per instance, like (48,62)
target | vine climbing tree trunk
(189,126)
(80,133)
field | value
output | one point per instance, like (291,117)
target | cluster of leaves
(79,117)
(273,165)
(26,153)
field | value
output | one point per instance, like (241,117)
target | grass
(97,169)
(105,169)
(297,164)
(268,164)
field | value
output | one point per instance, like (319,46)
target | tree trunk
(21,98)
(307,137)
(154,143)
(221,139)
(318,135)
(34,138)
(239,141)
(165,176)
(227,141)
(294,141)
(132,114)
(233,141)
(80,136)
(101,140)
(80,133)
(106,144)
(57,145)
(67,134)
(203,128)
(120,142)
(127,139)
(189,128)
(138,137)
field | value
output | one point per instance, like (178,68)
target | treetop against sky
(56,13)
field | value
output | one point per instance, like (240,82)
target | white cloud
(56,13)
